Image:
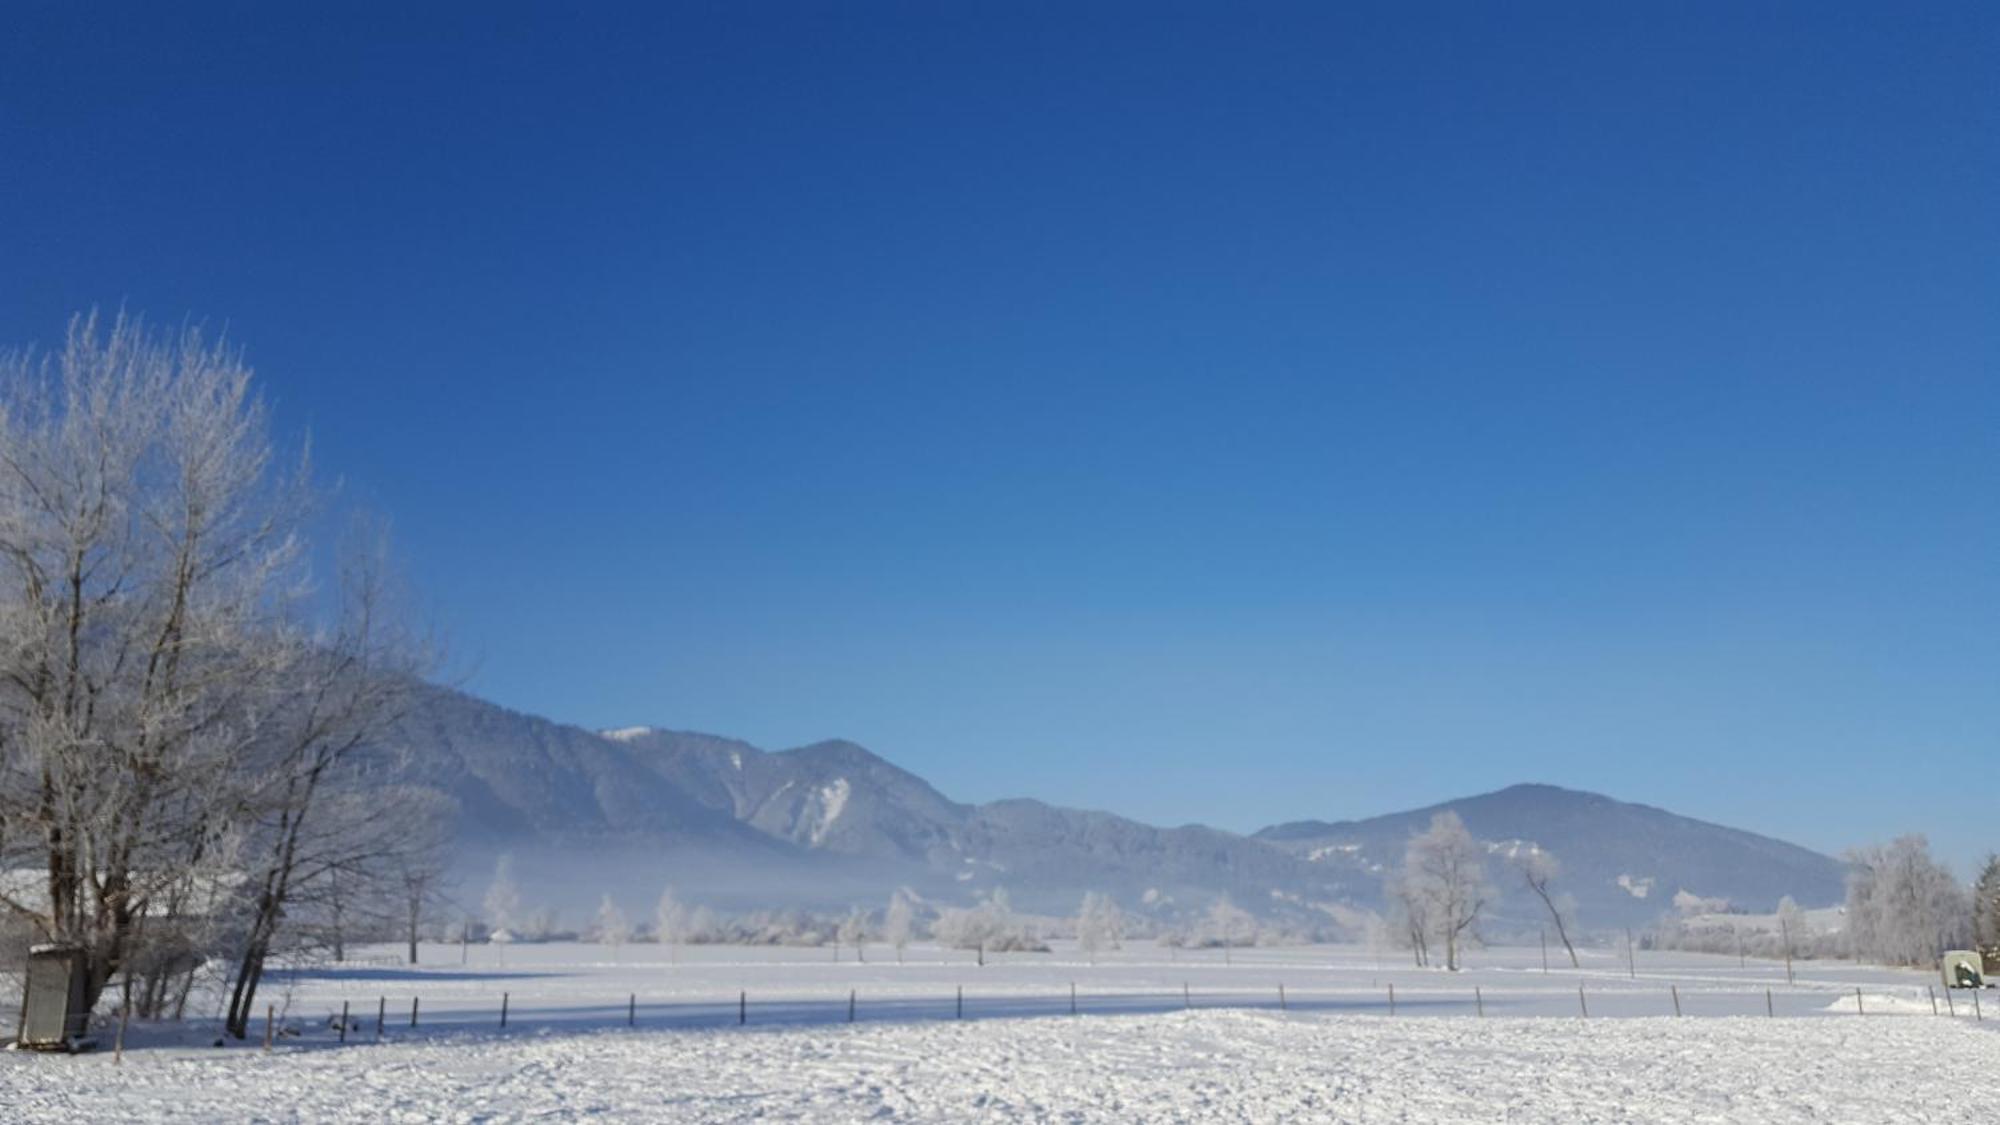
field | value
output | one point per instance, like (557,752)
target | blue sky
(1232,413)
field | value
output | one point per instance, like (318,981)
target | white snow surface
(1183,1066)
(1134,1054)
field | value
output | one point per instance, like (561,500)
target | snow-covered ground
(577,986)
(1332,1052)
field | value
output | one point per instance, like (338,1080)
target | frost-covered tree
(1229,925)
(854,931)
(179,710)
(704,927)
(1538,869)
(1409,916)
(961,928)
(990,925)
(1794,927)
(899,922)
(1986,911)
(1444,878)
(612,928)
(670,923)
(1904,907)
(1100,925)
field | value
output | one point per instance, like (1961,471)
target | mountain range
(627,812)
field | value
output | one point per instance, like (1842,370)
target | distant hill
(631,811)
(1623,862)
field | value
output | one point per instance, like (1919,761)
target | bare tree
(149,571)
(1538,869)
(419,865)
(316,819)
(173,722)
(854,931)
(1410,916)
(1444,872)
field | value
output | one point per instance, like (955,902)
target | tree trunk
(1542,892)
(339,938)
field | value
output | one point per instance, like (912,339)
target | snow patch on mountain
(832,802)
(1513,849)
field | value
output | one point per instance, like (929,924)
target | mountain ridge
(831,822)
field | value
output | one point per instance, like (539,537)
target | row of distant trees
(189,715)
(1903,906)
(989,926)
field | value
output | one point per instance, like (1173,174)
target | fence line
(906,1006)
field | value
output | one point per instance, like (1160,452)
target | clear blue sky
(1232,413)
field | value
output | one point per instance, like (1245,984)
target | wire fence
(384,1015)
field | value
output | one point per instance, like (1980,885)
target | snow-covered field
(1333,1052)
